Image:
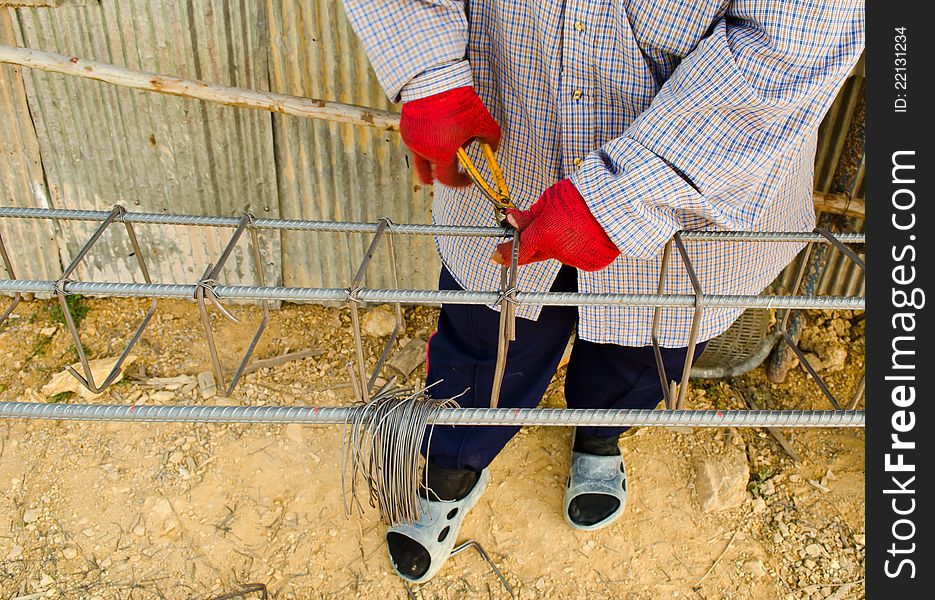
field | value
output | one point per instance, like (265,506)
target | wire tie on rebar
(60,286)
(208,285)
(119,212)
(508,295)
(352,293)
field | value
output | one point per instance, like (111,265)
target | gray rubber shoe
(591,474)
(437,530)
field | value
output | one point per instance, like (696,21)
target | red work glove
(560,226)
(436,126)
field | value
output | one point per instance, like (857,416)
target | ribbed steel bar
(174,290)
(330,415)
(232,222)
(406,229)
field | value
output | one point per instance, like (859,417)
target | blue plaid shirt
(666,115)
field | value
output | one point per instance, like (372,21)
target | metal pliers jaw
(499,196)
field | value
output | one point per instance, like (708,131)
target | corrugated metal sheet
(21,179)
(101,144)
(339,172)
(839,168)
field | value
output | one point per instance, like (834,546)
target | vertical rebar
(8,265)
(507,331)
(654,332)
(696,320)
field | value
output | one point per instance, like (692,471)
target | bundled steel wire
(382,446)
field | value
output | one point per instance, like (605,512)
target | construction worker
(616,124)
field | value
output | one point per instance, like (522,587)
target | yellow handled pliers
(500,197)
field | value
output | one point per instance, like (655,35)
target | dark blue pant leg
(611,376)
(462,355)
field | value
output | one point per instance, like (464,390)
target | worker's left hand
(560,226)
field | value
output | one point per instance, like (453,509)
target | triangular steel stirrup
(360,382)
(673,395)
(205,290)
(787,336)
(116,214)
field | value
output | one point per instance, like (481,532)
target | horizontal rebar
(330,415)
(430,297)
(405,229)
(278,224)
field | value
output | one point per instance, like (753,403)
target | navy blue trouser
(463,351)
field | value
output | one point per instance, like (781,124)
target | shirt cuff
(635,196)
(437,80)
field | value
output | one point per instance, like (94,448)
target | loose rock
(378,322)
(65,382)
(409,358)
(721,482)
(755,568)
(206,385)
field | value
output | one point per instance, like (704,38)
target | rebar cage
(208,288)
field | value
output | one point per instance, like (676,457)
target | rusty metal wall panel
(102,144)
(339,172)
(46,3)
(839,168)
(21,179)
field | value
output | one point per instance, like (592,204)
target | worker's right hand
(435,127)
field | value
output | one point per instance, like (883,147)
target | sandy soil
(196,511)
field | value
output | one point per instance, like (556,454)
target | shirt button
(577,94)
(578,161)
(579,26)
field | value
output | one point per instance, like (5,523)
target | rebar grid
(507,298)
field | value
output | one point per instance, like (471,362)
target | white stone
(66,382)
(207,385)
(759,506)
(755,568)
(15,553)
(721,482)
(378,322)
(161,397)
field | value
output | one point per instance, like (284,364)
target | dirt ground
(103,511)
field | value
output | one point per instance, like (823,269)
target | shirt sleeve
(417,47)
(751,92)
